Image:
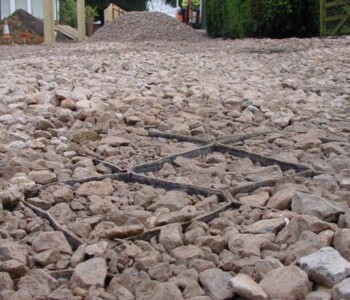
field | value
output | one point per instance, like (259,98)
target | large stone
(282,199)
(15,268)
(85,136)
(51,240)
(341,290)
(100,188)
(246,245)
(173,200)
(308,243)
(161,272)
(255,199)
(289,283)
(37,284)
(11,197)
(318,295)
(344,179)
(13,250)
(48,257)
(62,213)
(247,288)
(326,267)
(216,243)
(63,194)
(184,254)
(290,233)
(216,283)
(171,236)
(6,282)
(341,242)
(155,290)
(322,208)
(147,259)
(91,273)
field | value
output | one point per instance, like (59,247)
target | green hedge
(262,18)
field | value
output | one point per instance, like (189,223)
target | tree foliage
(263,18)
(68,12)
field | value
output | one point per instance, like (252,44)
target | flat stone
(341,242)
(42,177)
(171,236)
(247,288)
(341,290)
(91,273)
(124,231)
(266,226)
(51,240)
(216,283)
(255,199)
(326,266)
(100,188)
(286,283)
(115,141)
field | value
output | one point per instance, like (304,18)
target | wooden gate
(334,17)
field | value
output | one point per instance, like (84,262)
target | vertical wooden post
(323,23)
(49,23)
(81,19)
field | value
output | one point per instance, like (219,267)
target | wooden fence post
(81,19)
(49,22)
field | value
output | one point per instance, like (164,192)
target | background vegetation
(263,18)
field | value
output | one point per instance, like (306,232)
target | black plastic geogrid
(131,176)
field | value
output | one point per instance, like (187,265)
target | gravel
(71,115)
(146,26)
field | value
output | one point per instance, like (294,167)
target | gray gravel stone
(216,283)
(326,266)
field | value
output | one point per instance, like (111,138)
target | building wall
(34,7)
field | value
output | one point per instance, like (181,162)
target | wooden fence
(334,17)
(112,12)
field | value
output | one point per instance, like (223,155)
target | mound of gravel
(146,26)
(22,22)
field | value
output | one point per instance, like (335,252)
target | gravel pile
(146,26)
(22,22)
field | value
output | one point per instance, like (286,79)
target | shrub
(263,18)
